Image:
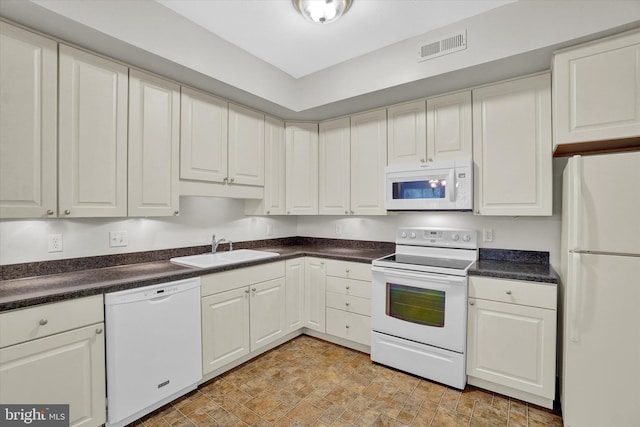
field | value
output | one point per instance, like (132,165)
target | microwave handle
(452,186)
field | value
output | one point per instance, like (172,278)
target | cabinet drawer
(26,324)
(349,270)
(350,326)
(357,288)
(514,291)
(349,303)
(234,279)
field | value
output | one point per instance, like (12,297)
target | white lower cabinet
(314,294)
(294,293)
(225,328)
(511,338)
(242,311)
(54,354)
(348,301)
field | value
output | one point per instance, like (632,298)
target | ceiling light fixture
(322,11)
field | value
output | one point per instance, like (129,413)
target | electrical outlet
(269,229)
(338,229)
(55,243)
(487,235)
(118,239)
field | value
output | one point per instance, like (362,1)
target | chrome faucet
(215,243)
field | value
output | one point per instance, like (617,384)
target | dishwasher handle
(154,293)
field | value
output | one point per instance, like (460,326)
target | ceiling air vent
(444,46)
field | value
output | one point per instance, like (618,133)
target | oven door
(423,307)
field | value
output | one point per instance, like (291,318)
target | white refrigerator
(600,291)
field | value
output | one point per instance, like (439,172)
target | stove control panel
(440,237)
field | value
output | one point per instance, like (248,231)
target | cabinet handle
(352,212)
(246,291)
(50,212)
(254,289)
(347,270)
(67,212)
(472,303)
(347,304)
(268,212)
(421,160)
(176,213)
(346,212)
(508,291)
(347,287)
(232,179)
(346,326)
(478,211)
(288,212)
(430,159)
(43,321)
(99,331)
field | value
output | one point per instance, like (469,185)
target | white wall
(200,217)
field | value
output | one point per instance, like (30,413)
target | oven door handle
(461,280)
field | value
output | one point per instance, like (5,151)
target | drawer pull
(246,291)
(98,331)
(472,303)
(347,271)
(43,322)
(347,304)
(508,291)
(347,287)
(346,326)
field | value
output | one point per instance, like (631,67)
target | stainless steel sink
(219,259)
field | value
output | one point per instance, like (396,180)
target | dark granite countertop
(512,264)
(27,291)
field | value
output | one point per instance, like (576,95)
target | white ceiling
(274,32)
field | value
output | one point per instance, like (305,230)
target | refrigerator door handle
(574,287)
(576,220)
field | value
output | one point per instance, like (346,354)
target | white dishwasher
(153,346)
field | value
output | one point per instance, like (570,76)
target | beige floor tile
(444,418)
(490,415)
(305,413)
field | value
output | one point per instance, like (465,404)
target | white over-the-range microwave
(437,186)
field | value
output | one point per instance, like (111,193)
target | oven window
(415,305)
(426,189)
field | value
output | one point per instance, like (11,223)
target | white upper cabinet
(368,160)
(407,134)
(512,147)
(92,142)
(301,168)
(273,202)
(246,146)
(203,137)
(596,90)
(28,124)
(449,129)
(154,143)
(334,167)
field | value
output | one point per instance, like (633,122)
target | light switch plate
(54,243)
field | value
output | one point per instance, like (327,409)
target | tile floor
(310,382)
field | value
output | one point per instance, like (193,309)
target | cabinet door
(512,147)
(407,138)
(512,345)
(368,160)
(225,328)
(294,281)
(596,93)
(203,137)
(66,368)
(92,178)
(246,146)
(314,294)
(449,131)
(302,168)
(154,138)
(334,195)
(267,312)
(28,128)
